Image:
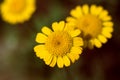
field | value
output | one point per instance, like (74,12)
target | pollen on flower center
(90,25)
(59,43)
(17,6)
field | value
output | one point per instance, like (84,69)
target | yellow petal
(108,29)
(61,25)
(66,61)
(58,26)
(69,27)
(103,14)
(98,10)
(107,34)
(38,48)
(102,38)
(107,18)
(108,24)
(41,55)
(70,19)
(97,43)
(54,26)
(71,57)
(77,41)
(46,30)
(77,12)
(75,33)
(41,38)
(40,51)
(93,9)
(53,62)
(60,62)
(85,9)
(48,59)
(76,50)
(91,44)
(76,56)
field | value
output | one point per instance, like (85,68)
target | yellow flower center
(59,43)
(90,25)
(17,6)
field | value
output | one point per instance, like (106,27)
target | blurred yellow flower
(17,11)
(59,46)
(94,22)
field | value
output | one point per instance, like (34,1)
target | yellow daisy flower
(94,22)
(60,45)
(17,11)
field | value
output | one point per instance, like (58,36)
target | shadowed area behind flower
(19,62)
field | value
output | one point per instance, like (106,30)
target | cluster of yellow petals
(94,22)
(17,11)
(87,26)
(90,26)
(59,46)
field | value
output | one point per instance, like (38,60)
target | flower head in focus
(17,11)
(94,22)
(59,46)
